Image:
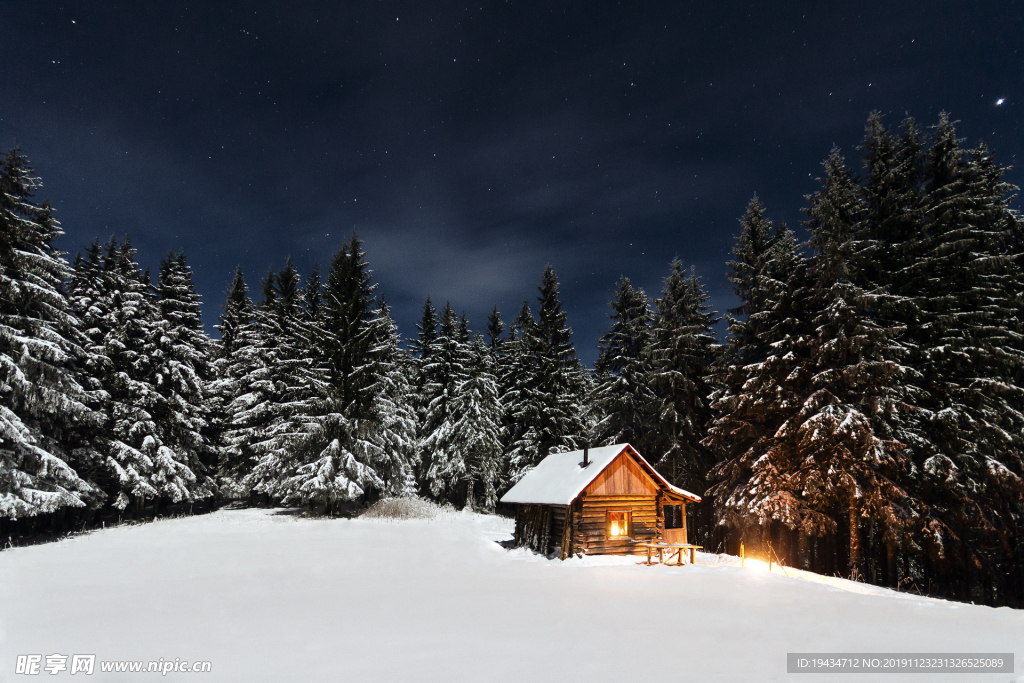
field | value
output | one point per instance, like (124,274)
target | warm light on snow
(751,563)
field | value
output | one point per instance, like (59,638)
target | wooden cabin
(597,501)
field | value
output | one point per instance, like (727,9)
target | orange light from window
(618,524)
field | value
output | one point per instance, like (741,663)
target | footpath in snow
(266,596)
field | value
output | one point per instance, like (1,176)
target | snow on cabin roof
(560,477)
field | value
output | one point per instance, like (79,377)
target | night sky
(470,145)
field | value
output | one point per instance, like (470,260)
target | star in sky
(1000,101)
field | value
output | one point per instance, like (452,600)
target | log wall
(589,516)
(541,527)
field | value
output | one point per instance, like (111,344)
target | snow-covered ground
(266,596)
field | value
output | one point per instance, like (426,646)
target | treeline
(863,416)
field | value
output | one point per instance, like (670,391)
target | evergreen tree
(146,465)
(336,453)
(394,414)
(257,454)
(549,403)
(763,368)
(513,372)
(495,328)
(234,367)
(682,352)
(444,371)
(46,416)
(426,336)
(182,371)
(348,300)
(624,397)
(766,276)
(237,313)
(477,428)
(968,294)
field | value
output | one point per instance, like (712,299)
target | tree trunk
(891,577)
(854,540)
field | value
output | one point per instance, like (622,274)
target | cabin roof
(561,477)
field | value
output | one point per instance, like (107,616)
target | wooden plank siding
(591,532)
(622,477)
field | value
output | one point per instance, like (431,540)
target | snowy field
(266,596)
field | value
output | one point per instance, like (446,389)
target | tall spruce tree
(149,466)
(495,328)
(550,401)
(682,353)
(445,370)
(236,359)
(182,372)
(761,369)
(478,427)
(970,355)
(46,415)
(394,425)
(337,455)
(624,398)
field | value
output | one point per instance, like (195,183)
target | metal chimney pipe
(586,455)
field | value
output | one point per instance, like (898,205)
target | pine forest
(860,412)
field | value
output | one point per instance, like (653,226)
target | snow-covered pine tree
(761,370)
(624,400)
(145,466)
(891,193)
(46,416)
(237,312)
(393,425)
(760,275)
(682,353)
(513,370)
(257,414)
(236,359)
(549,403)
(337,458)
(968,254)
(495,328)
(843,452)
(119,469)
(444,372)
(182,372)
(419,347)
(477,429)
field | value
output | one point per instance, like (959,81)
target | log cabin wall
(591,533)
(541,527)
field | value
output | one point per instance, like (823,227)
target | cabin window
(673,516)
(620,524)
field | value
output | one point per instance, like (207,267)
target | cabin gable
(623,477)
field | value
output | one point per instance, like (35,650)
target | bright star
(999,101)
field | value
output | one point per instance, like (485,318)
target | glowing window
(619,524)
